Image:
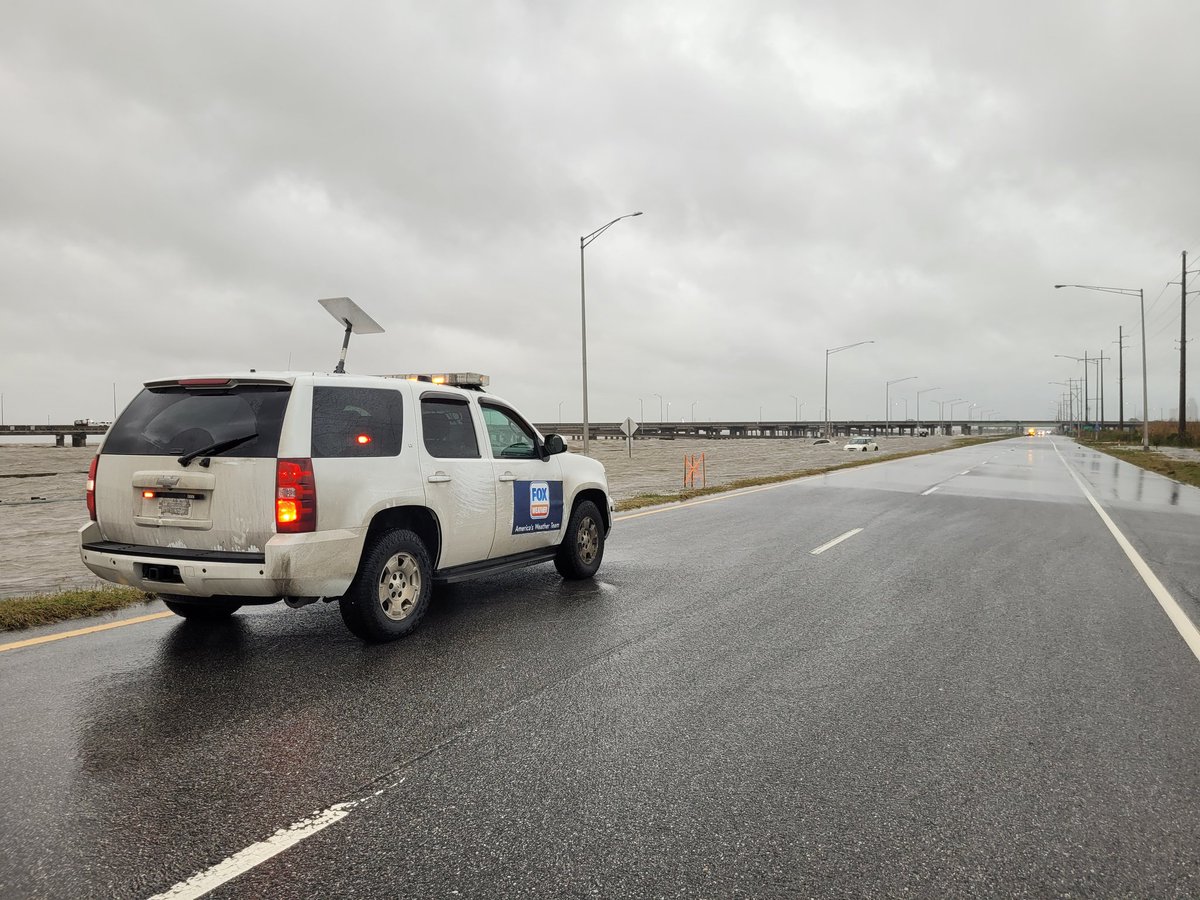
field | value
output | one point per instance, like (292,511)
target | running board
(494,566)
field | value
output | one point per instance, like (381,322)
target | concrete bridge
(669,430)
(79,432)
(810,430)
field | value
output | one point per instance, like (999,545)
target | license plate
(174,507)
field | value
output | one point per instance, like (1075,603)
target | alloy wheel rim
(589,540)
(399,586)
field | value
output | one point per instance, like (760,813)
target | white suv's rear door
(459,486)
(222,499)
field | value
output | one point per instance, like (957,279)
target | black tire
(391,591)
(582,548)
(200,609)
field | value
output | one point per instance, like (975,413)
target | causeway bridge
(79,432)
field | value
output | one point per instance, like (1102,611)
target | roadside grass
(45,609)
(1181,470)
(643,500)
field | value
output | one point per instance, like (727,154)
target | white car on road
(862,443)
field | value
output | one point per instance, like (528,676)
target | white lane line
(835,542)
(965,472)
(930,491)
(1178,617)
(256,854)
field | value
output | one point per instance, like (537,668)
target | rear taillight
(295,496)
(91,488)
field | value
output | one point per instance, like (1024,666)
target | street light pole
(942,410)
(583,242)
(660,412)
(887,395)
(797,399)
(1141,295)
(919,393)
(829,353)
(954,403)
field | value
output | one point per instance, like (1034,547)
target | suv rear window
(356,422)
(173,420)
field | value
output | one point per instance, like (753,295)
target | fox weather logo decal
(537,506)
(539,500)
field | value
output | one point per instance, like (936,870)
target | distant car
(821,441)
(863,444)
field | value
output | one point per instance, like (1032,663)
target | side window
(448,429)
(509,436)
(356,422)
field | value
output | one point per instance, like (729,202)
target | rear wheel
(391,591)
(582,548)
(200,609)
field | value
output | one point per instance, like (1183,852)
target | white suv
(250,488)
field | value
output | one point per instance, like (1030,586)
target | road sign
(628,427)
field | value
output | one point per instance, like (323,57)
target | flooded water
(42,491)
(41,510)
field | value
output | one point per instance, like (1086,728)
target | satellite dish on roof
(356,321)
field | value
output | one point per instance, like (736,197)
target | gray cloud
(181,183)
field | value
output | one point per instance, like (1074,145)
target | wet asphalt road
(976,695)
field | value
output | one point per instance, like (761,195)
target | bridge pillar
(60,440)
(79,439)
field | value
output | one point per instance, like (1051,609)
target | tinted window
(172,421)
(448,429)
(509,436)
(356,422)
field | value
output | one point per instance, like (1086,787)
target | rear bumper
(321,564)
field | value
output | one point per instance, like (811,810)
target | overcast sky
(181,182)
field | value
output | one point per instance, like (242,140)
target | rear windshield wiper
(218,447)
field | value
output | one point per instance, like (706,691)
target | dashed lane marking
(930,491)
(837,540)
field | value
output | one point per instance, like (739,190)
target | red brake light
(363,439)
(295,496)
(203,382)
(91,488)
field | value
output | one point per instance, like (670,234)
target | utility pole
(1183,351)
(1121,373)
(1086,410)
(1102,358)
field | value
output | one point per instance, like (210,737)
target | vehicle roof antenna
(356,321)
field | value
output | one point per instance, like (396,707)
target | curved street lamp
(583,242)
(1141,295)
(887,397)
(919,393)
(829,353)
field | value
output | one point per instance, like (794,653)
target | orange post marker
(691,465)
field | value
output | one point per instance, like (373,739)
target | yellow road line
(78,632)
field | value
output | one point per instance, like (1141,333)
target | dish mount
(351,315)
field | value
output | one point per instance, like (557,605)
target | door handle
(507,476)
(438,478)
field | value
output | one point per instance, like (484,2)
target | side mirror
(553,444)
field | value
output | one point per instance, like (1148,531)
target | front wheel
(200,609)
(391,591)
(582,548)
